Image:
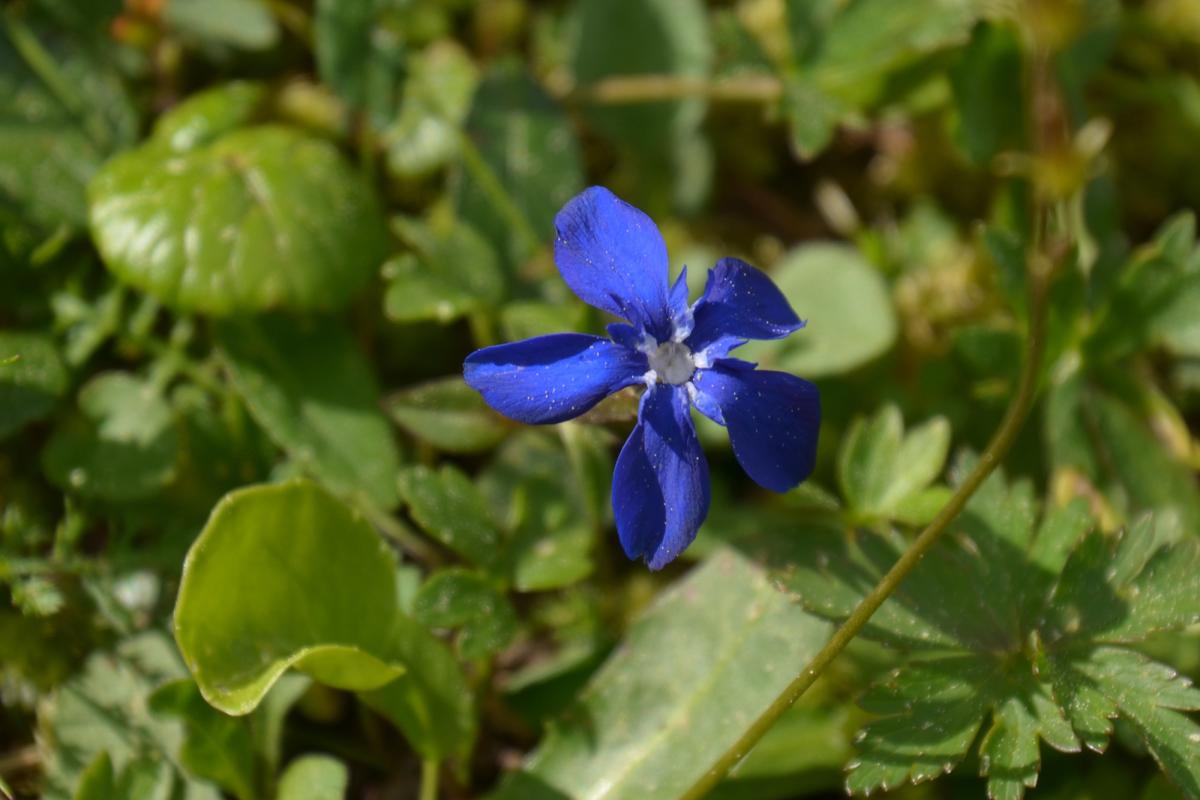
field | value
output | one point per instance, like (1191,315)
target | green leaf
(103,709)
(455,271)
(988,93)
(544,505)
(1092,430)
(645,37)
(424,136)
(215,747)
(449,508)
(258,218)
(447,414)
(526,141)
(314,778)
(308,384)
(466,600)
(360,49)
(208,115)
(880,469)
(244,24)
(326,602)
(122,446)
(733,642)
(1013,620)
(812,116)
(66,111)
(846,305)
(32,378)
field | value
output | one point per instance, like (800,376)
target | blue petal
(660,485)
(552,378)
(677,302)
(739,303)
(614,258)
(773,418)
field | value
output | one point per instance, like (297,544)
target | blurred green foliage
(246,244)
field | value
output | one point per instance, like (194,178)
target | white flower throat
(672,363)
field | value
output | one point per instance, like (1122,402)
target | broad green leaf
(66,111)
(812,116)
(645,37)
(453,271)
(528,145)
(466,600)
(437,97)
(361,53)
(449,508)
(524,319)
(447,414)
(1015,621)
(846,305)
(314,778)
(308,384)
(695,669)
(880,468)
(123,445)
(103,709)
(326,603)
(258,218)
(96,783)
(32,378)
(215,747)
(244,24)
(988,93)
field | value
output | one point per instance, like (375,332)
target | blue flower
(613,257)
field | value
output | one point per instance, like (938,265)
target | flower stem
(1040,270)
(429,779)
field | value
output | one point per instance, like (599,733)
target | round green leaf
(286,576)
(846,305)
(449,415)
(260,218)
(285,546)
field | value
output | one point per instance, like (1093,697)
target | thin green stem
(429,779)
(491,185)
(1002,440)
(630,89)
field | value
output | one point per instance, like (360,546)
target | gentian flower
(614,258)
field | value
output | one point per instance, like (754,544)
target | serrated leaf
(314,392)
(467,601)
(447,414)
(32,378)
(259,218)
(326,603)
(449,508)
(1012,620)
(103,709)
(122,446)
(733,641)
(880,467)
(846,304)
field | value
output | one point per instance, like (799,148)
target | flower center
(672,363)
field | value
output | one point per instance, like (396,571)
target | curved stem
(1002,440)
(626,89)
